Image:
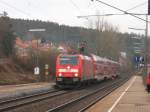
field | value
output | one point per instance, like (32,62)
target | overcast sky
(66,11)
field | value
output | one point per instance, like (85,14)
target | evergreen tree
(8,43)
(7,38)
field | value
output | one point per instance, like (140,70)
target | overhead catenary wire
(19,10)
(75,5)
(86,16)
(98,15)
(89,5)
(137,6)
(121,10)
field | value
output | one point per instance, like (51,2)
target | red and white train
(76,69)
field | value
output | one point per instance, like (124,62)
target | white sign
(36,71)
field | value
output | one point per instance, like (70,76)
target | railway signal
(82,47)
(43,40)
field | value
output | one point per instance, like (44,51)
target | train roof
(111,61)
(76,55)
(97,58)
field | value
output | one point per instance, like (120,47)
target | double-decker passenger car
(78,68)
(104,68)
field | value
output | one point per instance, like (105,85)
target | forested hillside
(107,43)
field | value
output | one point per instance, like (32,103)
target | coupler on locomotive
(68,82)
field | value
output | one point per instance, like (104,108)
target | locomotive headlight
(59,74)
(76,74)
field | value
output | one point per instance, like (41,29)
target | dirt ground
(10,73)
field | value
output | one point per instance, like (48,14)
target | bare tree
(106,40)
(99,22)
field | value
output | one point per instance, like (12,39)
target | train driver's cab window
(66,60)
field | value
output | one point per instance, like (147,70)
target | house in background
(21,47)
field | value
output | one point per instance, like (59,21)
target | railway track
(61,101)
(85,101)
(15,104)
(21,101)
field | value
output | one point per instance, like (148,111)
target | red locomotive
(76,69)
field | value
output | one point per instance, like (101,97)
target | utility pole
(4,14)
(37,68)
(146,45)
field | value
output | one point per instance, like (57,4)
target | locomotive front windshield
(72,60)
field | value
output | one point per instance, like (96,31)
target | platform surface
(131,97)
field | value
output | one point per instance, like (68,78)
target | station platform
(11,91)
(131,97)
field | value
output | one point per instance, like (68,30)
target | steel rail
(71,102)
(101,97)
(25,97)
(18,102)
